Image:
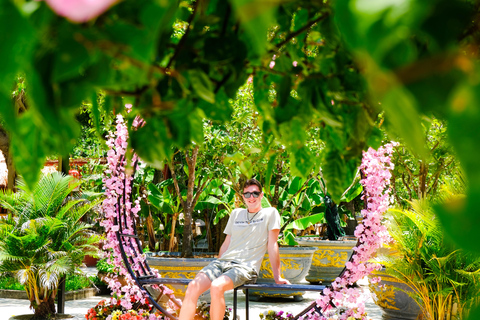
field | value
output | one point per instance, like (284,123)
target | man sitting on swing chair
(250,233)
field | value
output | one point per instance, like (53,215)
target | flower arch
(341,298)
(120,214)
(118,197)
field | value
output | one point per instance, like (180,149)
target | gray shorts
(238,272)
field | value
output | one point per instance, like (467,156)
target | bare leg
(217,291)
(199,285)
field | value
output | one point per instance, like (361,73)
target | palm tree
(445,280)
(44,239)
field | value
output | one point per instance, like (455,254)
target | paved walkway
(78,308)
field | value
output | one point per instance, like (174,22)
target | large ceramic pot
(172,267)
(329,258)
(294,265)
(390,295)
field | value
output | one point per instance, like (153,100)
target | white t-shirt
(249,235)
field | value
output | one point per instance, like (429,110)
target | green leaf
(19,37)
(70,59)
(289,238)
(302,161)
(401,112)
(354,192)
(265,203)
(256,18)
(236,157)
(95,111)
(220,110)
(195,119)
(202,85)
(210,202)
(269,171)
(334,172)
(295,185)
(303,223)
(220,214)
(460,217)
(8,112)
(28,147)
(152,142)
(375,139)
(447,21)
(155,195)
(165,183)
(474,314)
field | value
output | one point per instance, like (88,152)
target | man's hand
(282,281)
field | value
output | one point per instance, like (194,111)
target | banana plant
(216,202)
(219,196)
(298,198)
(168,204)
(307,206)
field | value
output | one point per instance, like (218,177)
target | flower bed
(114,310)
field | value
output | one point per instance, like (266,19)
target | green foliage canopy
(337,65)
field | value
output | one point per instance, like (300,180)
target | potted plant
(44,239)
(441,279)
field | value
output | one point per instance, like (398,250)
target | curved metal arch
(143,276)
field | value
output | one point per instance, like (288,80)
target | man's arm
(224,246)
(273,253)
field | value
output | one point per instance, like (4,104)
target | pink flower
(80,10)
(115,189)
(371,234)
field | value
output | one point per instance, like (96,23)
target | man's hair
(253,182)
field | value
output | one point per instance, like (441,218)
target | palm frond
(49,279)
(67,207)
(51,192)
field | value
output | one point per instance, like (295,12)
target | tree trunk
(172,232)
(422,181)
(192,197)
(151,232)
(45,310)
(187,251)
(5,148)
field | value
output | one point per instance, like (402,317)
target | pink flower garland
(80,10)
(118,197)
(341,300)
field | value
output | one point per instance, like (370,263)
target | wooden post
(64,167)
(61,296)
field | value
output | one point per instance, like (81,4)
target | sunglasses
(255,194)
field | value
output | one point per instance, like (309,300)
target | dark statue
(334,229)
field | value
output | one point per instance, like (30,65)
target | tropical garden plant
(168,205)
(415,177)
(44,237)
(444,279)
